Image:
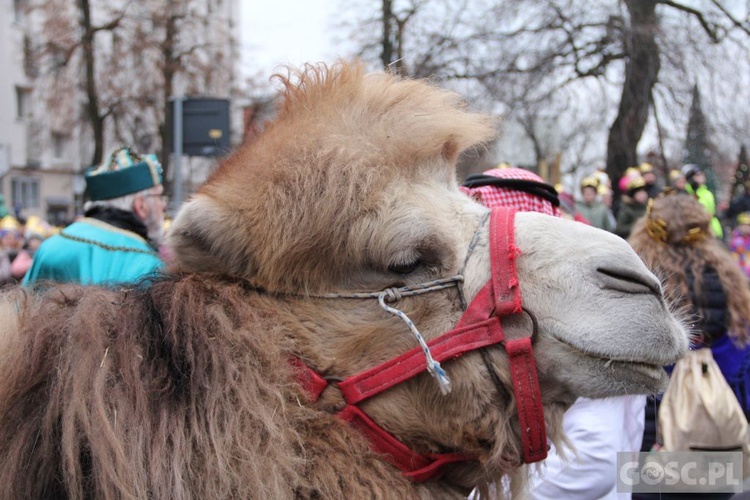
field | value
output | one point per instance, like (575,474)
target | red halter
(478,327)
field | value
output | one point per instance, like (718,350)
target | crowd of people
(19,241)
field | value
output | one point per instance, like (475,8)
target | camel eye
(405,267)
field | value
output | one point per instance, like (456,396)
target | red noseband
(478,327)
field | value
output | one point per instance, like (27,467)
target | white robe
(598,429)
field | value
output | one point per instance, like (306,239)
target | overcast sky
(277,32)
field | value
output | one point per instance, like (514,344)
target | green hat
(125,172)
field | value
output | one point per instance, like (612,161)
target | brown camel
(271,361)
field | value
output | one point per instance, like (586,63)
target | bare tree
(134,56)
(561,43)
(65,51)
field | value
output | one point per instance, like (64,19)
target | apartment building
(46,142)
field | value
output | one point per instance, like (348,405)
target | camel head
(352,189)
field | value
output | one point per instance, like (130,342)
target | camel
(340,321)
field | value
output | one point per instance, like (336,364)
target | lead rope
(433,367)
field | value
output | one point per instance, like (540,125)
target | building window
(29,58)
(19,11)
(60,144)
(23,102)
(57,56)
(25,192)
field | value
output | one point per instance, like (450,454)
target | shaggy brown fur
(167,392)
(345,137)
(670,259)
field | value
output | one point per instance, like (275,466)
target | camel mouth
(648,374)
(650,370)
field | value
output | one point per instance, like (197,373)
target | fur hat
(124,172)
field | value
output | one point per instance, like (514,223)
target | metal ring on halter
(534,327)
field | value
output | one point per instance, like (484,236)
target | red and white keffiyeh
(493,196)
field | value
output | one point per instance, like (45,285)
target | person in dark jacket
(633,208)
(653,188)
(700,276)
(738,205)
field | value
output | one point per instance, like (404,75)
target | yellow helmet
(10,223)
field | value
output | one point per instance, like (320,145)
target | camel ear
(450,151)
(195,237)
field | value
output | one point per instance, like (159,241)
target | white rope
(404,291)
(433,367)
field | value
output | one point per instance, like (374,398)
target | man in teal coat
(117,240)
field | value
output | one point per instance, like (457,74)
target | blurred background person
(11,241)
(607,198)
(739,242)
(633,206)
(649,177)
(117,240)
(3,208)
(696,185)
(35,231)
(593,210)
(739,204)
(677,181)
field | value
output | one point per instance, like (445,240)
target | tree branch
(737,23)
(710,29)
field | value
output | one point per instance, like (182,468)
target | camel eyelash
(407,267)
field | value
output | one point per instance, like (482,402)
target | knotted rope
(394,294)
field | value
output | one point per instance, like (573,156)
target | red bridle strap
(501,297)
(507,300)
(418,467)
(394,371)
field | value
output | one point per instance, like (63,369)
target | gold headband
(657,228)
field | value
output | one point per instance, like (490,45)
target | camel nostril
(629,281)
